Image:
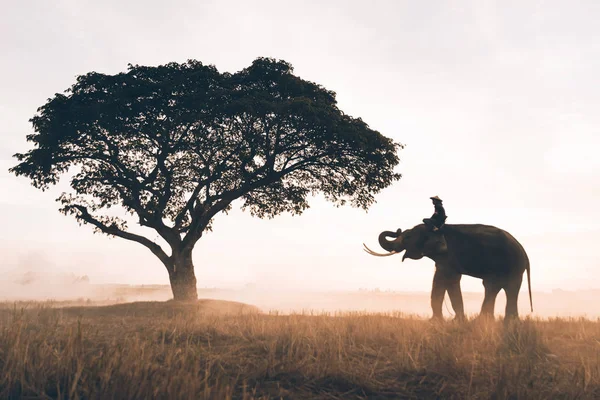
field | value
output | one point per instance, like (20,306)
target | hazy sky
(498,104)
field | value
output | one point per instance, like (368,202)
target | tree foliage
(178,143)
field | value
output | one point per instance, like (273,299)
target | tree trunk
(182,277)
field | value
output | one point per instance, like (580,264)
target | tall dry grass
(175,351)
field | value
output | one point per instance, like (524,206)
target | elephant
(481,251)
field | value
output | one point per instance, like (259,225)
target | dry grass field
(221,350)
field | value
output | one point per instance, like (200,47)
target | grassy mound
(164,309)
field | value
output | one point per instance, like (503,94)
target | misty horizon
(64,290)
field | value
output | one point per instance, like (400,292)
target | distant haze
(497,103)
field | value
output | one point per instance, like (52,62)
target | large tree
(176,144)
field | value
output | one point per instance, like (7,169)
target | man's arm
(439,210)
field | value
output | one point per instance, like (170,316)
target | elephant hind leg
(489,302)
(512,294)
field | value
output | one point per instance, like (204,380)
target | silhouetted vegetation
(178,143)
(223,350)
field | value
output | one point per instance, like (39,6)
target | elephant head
(417,242)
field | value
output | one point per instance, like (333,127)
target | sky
(496,102)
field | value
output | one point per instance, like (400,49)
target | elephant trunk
(390,245)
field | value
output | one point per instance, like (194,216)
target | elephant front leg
(456,299)
(438,291)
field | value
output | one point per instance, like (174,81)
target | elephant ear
(434,243)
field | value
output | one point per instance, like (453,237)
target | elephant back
(478,249)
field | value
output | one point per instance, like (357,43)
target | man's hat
(435,198)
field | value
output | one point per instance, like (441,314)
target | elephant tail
(529,285)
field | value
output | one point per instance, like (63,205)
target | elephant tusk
(371,252)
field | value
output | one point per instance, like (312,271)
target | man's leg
(429,223)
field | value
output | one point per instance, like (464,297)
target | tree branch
(205,183)
(85,215)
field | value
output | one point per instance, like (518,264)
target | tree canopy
(177,143)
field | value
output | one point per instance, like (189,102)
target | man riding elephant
(438,218)
(481,251)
